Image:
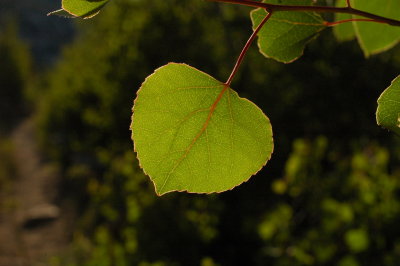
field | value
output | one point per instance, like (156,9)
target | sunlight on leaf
(388,113)
(61,13)
(375,37)
(80,8)
(285,35)
(192,133)
(345,31)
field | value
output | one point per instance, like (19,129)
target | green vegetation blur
(15,75)
(329,196)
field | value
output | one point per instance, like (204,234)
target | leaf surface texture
(192,133)
(285,35)
(388,113)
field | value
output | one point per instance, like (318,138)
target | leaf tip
(61,13)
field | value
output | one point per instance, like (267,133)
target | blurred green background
(329,196)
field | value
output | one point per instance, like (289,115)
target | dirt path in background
(38,225)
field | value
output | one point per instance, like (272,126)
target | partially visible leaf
(345,31)
(285,35)
(83,8)
(61,13)
(388,113)
(376,37)
(80,8)
(193,133)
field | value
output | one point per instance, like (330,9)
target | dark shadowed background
(71,191)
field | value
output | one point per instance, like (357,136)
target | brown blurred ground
(35,223)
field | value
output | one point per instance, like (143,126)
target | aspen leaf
(345,31)
(388,113)
(193,133)
(60,13)
(286,33)
(376,37)
(80,8)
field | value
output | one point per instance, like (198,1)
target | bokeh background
(71,191)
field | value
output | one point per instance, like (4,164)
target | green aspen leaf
(61,13)
(193,133)
(345,31)
(80,8)
(285,35)
(388,113)
(376,37)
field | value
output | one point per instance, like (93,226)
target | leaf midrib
(199,134)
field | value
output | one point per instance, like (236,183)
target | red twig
(334,23)
(245,48)
(318,9)
(270,8)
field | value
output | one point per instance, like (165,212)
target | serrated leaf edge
(323,27)
(360,41)
(84,16)
(379,102)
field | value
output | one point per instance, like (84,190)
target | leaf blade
(60,13)
(388,112)
(80,8)
(188,140)
(286,34)
(345,31)
(375,38)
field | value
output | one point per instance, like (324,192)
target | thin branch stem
(246,48)
(319,9)
(334,23)
(271,8)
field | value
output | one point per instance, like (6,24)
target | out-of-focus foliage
(15,76)
(344,207)
(330,195)
(15,72)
